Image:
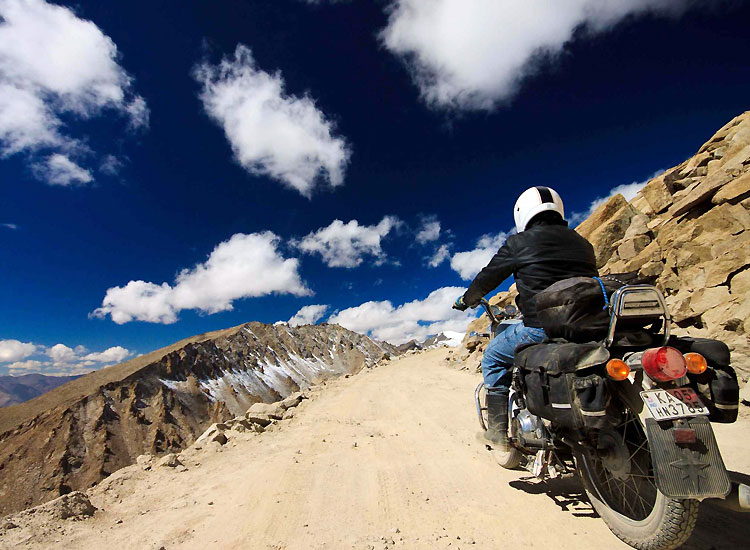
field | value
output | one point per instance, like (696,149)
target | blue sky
(206,151)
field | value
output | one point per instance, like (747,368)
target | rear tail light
(696,363)
(617,369)
(664,364)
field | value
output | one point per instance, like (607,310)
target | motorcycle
(647,455)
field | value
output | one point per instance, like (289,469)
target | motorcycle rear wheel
(625,495)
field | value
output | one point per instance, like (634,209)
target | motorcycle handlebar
(486,305)
(498,316)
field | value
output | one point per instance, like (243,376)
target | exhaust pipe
(738,499)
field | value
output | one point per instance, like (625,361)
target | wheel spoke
(632,491)
(641,446)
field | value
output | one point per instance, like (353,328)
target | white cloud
(272,133)
(308,315)
(60,359)
(115,354)
(627,190)
(111,165)
(413,320)
(9,225)
(475,54)
(440,255)
(15,350)
(241,267)
(24,367)
(58,169)
(346,244)
(430,231)
(54,65)
(468,264)
(61,354)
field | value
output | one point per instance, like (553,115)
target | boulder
(215,432)
(726,219)
(642,205)
(704,299)
(604,237)
(630,248)
(657,194)
(261,420)
(169,461)
(739,284)
(733,316)
(75,505)
(242,424)
(702,192)
(292,401)
(737,159)
(473,342)
(651,269)
(638,226)
(601,215)
(145,461)
(720,268)
(733,190)
(272,410)
(679,306)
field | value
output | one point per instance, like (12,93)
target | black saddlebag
(718,386)
(565,383)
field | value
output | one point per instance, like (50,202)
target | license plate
(668,404)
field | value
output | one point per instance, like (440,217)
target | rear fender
(688,471)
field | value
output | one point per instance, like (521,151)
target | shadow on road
(719,528)
(566,492)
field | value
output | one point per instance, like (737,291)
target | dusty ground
(386,458)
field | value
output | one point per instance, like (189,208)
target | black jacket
(545,253)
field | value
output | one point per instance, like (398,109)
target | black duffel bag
(575,309)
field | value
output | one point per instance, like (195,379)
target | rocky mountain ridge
(690,229)
(75,435)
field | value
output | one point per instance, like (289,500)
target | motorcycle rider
(544,251)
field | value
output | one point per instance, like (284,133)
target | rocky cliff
(689,228)
(75,435)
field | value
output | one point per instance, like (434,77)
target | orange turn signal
(617,369)
(696,363)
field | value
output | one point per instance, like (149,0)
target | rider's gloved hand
(459,304)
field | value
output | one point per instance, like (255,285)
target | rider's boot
(497,420)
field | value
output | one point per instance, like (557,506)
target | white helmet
(533,201)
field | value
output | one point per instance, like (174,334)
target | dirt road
(387,458)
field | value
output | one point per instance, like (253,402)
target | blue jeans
(497,363)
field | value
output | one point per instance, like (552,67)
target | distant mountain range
(446,338)
(17,389)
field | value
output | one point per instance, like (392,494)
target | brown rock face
(75,435)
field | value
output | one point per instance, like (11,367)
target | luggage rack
(637,301)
